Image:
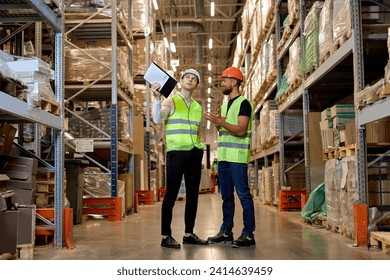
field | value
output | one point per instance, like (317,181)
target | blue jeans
(230,175)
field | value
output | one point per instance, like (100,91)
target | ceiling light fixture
(208,124)
(209,90)
(209,79)
(212,12)
(173,47)
(210,43)
(209,66)
(155,5)
(209,101)
(166,43)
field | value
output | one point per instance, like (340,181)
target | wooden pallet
(334,228)
(348,151)
(325,57)
(285,36)
(339,42)
(384,93)
(339,152)
(380,239)
(8,256)
(50,107)
(26,251)
(331,153)
(295,84)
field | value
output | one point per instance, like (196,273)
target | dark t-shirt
(245,109)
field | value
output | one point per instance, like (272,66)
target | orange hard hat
(233,72)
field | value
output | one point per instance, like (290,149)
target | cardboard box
(347,134)
(325,114)
(342,109)
(139,136)
(129,197)
(326,124)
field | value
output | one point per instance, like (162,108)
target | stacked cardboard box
(343,117)
(338,126)
(378,131)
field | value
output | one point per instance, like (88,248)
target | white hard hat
(191,71)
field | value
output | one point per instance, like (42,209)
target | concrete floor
(279,236)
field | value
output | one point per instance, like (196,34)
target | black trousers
(179,163)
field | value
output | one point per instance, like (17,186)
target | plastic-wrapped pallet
(276,180)
(349,193)
(310,60)
(239,51)
(272,61)
(273,124)
(333,176)
(98,184)
(267,8)
(261,181)
(245,21)
(36,75)
(293,11)
(268,185)
(325,35)
(264,119)
(293,123)
(255,29)
(342,23)
(292,66)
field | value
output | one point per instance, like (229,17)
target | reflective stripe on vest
(230,147)
(181,128)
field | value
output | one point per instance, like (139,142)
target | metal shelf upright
(25,12)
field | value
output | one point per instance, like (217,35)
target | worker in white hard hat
(182,116)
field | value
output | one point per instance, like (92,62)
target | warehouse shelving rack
(341,78)
(25,12)
(94,26)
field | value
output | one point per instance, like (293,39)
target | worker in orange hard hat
(233,72)
(235,127)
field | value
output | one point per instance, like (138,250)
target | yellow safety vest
(232,148)
(181,129)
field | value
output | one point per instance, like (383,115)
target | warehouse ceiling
(189,24)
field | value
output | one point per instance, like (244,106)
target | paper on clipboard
(155,74)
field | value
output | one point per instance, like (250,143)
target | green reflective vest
(232,148)
(181,128)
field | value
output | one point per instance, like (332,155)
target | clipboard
(155,74)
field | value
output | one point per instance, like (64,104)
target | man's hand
(214,118)
(154,88)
